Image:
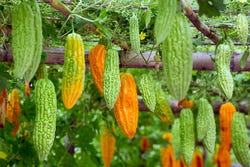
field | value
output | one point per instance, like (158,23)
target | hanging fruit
(73,70)
(126,107)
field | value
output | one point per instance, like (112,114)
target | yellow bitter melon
(73,70)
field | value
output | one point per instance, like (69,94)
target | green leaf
(3,162)
(49,30)
(102,17)
(28,109)
(211,7)
(103,29)
(86,160)
(4,77)
(67,160)
(83,132)
(1,7)
(27,152)
(44,57)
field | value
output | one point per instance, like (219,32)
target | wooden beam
(195,20)
(201,60)
(59,6)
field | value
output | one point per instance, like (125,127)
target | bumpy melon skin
(45,121)
(187,134)
(222,63)
(176,141)
(147,89)
(111,78)
(204,110)
(73,70)
(177,58)
(126,109)
(240,139)
(147,17)
(227,110)
(96,62)
(209,139)
(242,28)
(164,20)
(108,142)
(29,74)
(134,34)
(23,38)
(162,108)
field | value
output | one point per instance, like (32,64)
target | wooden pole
(202,61)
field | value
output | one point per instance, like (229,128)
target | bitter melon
(240,139)
(73,70)
(147,89)
(177,58)
(111,78)
(45,121)
(187,134)
(222,63)
(242,28)
(202,118)
(134,33)
(162,108)
(164,20)
(176,141)
(126,107)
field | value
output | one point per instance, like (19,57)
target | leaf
(103,29)
(1,7)
(3,162)
(44,57)
(27,152)
(102,18)
(243,60)
(28,109)
(67,160)
(211,7)
(83,132)
(49,30)
(86,160)
(4,77)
